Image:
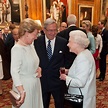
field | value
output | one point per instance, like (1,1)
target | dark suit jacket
(9,42)
(8,35)
(104,35)
(65,33)
(50,69)
(5,60)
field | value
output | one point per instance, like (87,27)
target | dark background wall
(15,12)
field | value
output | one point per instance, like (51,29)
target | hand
(63,76)
(39,70)
(66,71)
(98,55)
(21,101)
(63,70)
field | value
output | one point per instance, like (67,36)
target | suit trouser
(102,65)
(57,95)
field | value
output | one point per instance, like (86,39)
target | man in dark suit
(6,34)
(50,81)
(8,40)
(103,54)
(71,21)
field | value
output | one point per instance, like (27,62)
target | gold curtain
(35,9)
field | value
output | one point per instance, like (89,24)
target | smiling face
(51,31)
(72,45)
(30,37)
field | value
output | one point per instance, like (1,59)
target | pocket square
(60,51)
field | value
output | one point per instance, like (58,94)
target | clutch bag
(14,96)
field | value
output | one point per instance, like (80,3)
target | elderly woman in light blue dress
(25,68)
(82,72)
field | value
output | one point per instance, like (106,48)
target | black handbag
(73,100)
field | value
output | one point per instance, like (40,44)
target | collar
(46,39)
(72,25)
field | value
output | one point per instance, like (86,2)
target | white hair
(80,38)
(48,22)
(71,19)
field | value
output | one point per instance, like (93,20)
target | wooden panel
(35,8)
(87,0)
(22,10)
(94,3)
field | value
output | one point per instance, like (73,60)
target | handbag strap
(69,85)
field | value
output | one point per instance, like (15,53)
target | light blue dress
(24,63)
(92,45)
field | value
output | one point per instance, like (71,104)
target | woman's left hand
(63,76)
(39,72)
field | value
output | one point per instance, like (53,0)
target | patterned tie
(5,36)
(49,50)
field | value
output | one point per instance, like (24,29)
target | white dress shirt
(99,44)
(52,43)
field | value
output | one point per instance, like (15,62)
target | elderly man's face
(51,31)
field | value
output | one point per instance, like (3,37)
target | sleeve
(100,44)
(16,65)
(92,45)
(81,73)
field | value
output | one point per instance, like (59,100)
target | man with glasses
(53,54)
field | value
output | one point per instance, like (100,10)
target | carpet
(101,97)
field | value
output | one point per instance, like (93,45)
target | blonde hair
(87,23)
(28,25)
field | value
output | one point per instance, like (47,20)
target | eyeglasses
(55,30)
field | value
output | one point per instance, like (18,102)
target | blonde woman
(86,25)
(25,68)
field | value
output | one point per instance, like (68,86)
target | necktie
(5,36)
(49,50)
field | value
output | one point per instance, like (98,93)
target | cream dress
(83,75)
(24,63)
(1,68)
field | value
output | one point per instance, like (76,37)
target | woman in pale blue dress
(25,68)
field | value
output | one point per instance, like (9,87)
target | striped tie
(49,50)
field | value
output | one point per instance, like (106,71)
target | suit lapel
(43,47)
